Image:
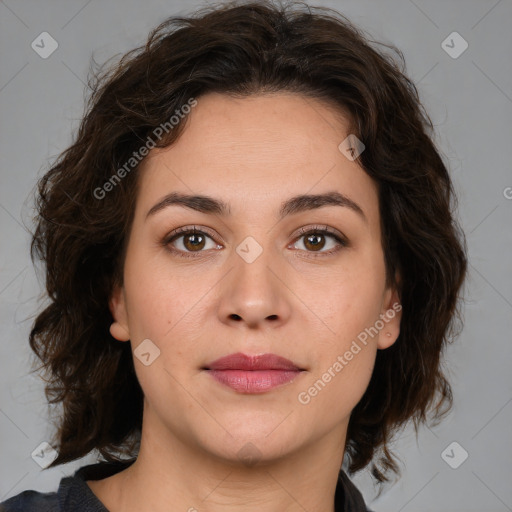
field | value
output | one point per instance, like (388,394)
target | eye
(322,240)
(185,241)
(317,238)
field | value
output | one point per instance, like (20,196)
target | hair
(242,49)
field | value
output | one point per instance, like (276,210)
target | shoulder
(73,494)
(348,498)
(31,501)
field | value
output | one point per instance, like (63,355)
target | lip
(253,374)
(240,361)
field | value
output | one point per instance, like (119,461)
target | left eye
(315,241)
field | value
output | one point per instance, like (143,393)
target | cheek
(160,299)
(350,302)
(345,355)
(170,313)
(337,384)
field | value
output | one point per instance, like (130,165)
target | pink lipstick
(253,374)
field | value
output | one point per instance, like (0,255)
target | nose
(255,294)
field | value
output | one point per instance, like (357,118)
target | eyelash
(323,230)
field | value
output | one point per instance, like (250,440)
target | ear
(391,316)
(117,305)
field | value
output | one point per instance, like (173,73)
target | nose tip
(252,294)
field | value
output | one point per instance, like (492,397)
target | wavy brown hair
(241,49)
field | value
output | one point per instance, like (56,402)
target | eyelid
(321,228)
(190,229)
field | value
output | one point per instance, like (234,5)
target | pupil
(315,241)
(194,241)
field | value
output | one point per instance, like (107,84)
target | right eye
(185,241)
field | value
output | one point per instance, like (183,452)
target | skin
(253,153)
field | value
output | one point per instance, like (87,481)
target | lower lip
(254,381)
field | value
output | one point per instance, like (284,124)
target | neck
(171,472)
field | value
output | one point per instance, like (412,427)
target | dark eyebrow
(303,203)
(296,204)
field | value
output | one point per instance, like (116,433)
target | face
(304,281)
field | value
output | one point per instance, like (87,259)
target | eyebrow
(296,204)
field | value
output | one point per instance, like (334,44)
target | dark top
(74,495)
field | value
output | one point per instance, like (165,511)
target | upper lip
(240,361)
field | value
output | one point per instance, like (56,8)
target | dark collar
(75,494)
(347,497)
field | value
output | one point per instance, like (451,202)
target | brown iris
(193,241)
(314,241)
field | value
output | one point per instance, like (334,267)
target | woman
(253,268)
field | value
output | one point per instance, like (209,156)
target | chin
(252,450)
(252,440)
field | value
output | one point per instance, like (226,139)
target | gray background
(470,101)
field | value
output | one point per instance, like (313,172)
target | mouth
(253,374)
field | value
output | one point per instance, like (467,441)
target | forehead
(257,151)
